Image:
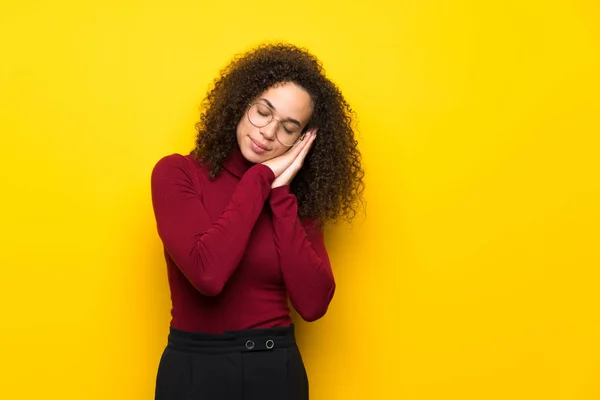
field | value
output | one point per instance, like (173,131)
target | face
(288,107)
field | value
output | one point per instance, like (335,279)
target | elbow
(313,315)
(203,274)
(208,286)
(317,308)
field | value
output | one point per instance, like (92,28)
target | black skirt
(256,364)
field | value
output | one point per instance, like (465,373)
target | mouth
(259,145)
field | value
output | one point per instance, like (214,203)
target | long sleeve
(207,253)
(303,257)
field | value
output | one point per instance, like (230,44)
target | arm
(207,253)
(304,261)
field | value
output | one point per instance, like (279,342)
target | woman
(241,219)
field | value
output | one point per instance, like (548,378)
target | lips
(258,144)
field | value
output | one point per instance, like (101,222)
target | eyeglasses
(287,133)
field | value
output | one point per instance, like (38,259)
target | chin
(250,155)
(253,157)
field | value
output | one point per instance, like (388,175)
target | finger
(302,155)
(299,145)
(309,133)
(309,141)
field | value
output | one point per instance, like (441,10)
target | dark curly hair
(330,183)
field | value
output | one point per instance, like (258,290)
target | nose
(270,130)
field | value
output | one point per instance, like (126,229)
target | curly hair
(329,185)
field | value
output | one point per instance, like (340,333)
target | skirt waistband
(232,341)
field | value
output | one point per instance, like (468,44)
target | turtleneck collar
(236,163)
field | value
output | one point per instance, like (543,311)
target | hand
(280,163)
(290,172)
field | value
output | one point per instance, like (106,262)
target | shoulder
(176,173)
(178,163)
(176,160)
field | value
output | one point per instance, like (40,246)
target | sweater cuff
(283,202)
(264,171)
(280,191)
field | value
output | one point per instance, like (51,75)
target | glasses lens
(259,115)
(288,135)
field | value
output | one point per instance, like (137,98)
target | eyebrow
(292,120)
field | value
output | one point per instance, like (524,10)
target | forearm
(304,261)
(206,252)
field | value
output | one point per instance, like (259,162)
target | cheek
(279,150)
(245,128)
(240,129)
(276,152)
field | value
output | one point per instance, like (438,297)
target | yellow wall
(476,272)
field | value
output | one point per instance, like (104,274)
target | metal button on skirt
(255,364)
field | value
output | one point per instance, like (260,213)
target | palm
(285,178)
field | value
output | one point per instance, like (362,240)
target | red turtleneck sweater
(235,249)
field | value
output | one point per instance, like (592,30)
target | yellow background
(475,274)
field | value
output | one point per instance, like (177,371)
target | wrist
(281,187)
(279,182)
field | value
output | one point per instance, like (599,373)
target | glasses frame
(250,105)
